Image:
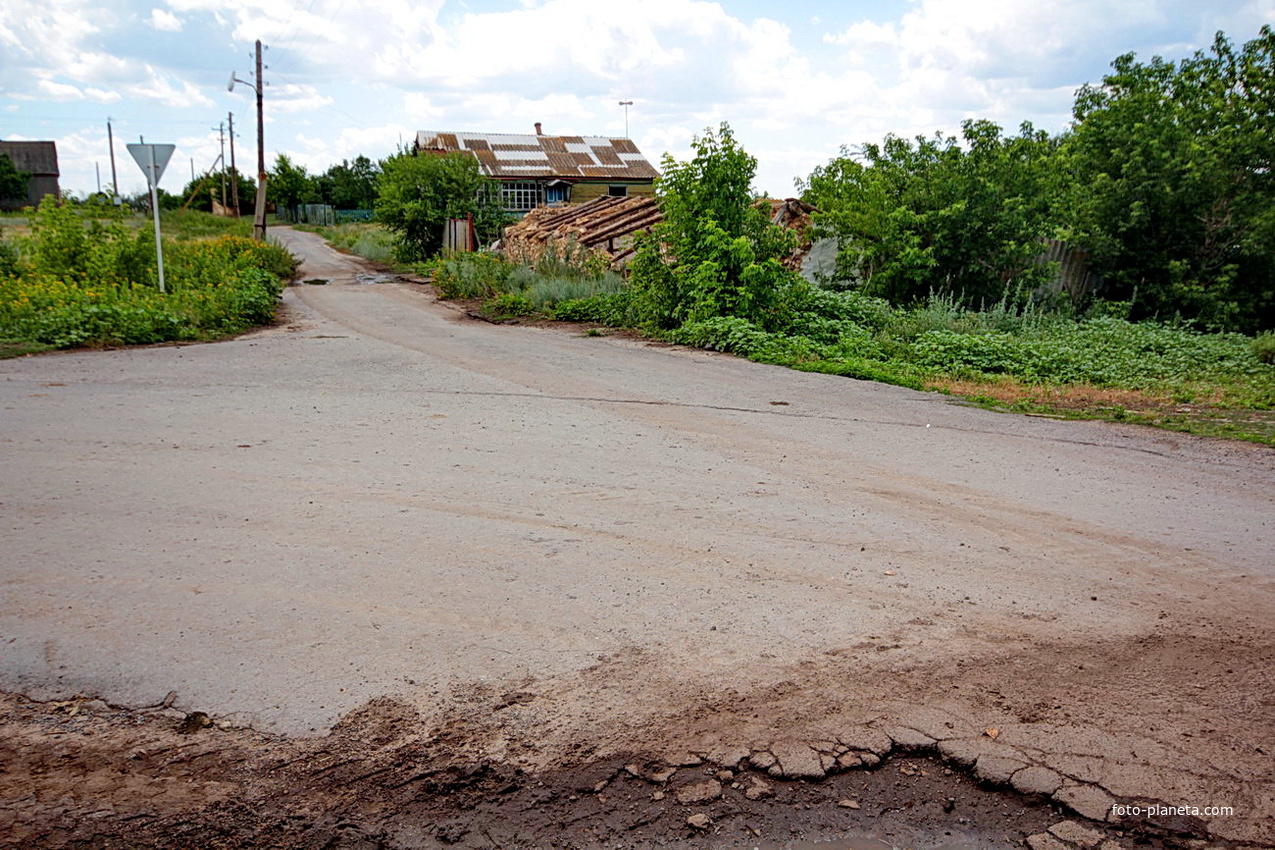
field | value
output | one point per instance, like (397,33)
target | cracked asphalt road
(654,549)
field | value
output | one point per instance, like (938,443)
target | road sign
(152,159)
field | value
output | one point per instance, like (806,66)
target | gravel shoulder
(382,539)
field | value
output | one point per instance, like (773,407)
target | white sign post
(153,159)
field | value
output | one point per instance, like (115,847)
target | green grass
(1101,368)
(21,348)
(367,240)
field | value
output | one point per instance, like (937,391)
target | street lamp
(626,104)
(259,220)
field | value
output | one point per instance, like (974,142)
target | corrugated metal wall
(1074,275)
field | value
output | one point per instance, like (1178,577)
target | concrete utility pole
(221,137)
(259,224)
(234,173)
(115,186)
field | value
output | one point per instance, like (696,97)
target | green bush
(509,304)
(1263,347)
(474,275)
(614,310)
(545,292)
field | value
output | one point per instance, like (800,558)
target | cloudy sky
(796,79)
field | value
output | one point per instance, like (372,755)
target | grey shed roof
(511,156)
(39,159)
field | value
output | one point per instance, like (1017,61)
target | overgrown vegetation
(963,218)
(367,240)
(418,194)
(715,253)
(77,280)
(1164,180)
(561,282)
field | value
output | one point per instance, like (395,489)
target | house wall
(39,186)
(582,192)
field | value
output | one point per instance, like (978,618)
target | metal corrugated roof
(520,156)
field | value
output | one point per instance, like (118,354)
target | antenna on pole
(626,104)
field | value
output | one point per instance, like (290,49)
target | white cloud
(167,91)
(59,91)
(165,21)
(294,99)
(354,76)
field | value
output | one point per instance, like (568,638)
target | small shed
(537,170)
(40,161)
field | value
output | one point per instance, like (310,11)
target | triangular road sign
(152,159)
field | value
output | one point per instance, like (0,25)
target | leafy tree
(715,253)
(419,193)
(350,185)
(959,217)
(290,184)
(199,193)
(13,183)
(1172,184)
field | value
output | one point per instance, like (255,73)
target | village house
(540,170)
(40,161)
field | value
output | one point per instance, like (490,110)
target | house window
(618,191)
(557,193)
(520,195)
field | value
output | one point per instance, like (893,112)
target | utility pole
(115,186)
(221,137)
(234,173)
(259,223)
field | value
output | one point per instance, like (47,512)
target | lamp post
(626,104)
(259,221)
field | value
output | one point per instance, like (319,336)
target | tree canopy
(1164,179)
(349,185)
(933,215)
(1169,182)
(290,184)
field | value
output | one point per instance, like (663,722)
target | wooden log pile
(606,225)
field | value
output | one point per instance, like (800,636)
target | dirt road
(511,553)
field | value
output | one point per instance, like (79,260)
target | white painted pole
(159,245)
